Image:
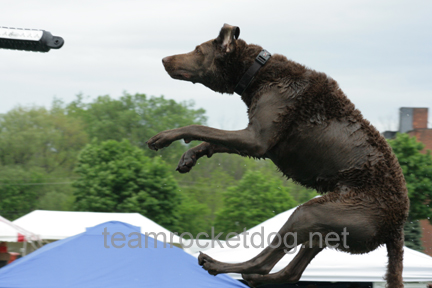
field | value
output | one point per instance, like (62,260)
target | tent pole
(25,248)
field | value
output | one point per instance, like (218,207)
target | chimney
(420,118)
(412,118)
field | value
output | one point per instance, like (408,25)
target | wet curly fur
(315,136)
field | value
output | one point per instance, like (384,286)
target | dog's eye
(198,51)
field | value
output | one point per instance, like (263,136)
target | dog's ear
(227,36)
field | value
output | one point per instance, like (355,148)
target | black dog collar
(244,82)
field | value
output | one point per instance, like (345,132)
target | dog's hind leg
(295,230)
(291,273)
(317,221)
(395,263)
(313,220)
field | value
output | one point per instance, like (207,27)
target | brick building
(414,122)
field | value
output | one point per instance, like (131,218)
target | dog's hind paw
(208,264)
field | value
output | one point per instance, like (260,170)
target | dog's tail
(395,261)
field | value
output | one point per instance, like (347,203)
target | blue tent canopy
(112,254)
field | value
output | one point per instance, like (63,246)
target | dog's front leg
(190,157)
(246,142)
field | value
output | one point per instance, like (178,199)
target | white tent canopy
(329,265)
(56,225)
(10,232)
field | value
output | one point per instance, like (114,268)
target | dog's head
(210,63)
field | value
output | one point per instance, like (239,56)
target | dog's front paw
(187,161)
(161,140)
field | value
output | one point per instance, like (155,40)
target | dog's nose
(165,60)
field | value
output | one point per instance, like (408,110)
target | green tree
(18,191)
(205,186)
(193,216)
(37,137)
(43,140)
(417,169)
(118,177)
(256,198)
(208,181)
(58,197)
(413,234)
(136,118)
(205,196)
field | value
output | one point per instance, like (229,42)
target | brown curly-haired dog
(304,123)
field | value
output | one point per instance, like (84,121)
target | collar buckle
(263,57)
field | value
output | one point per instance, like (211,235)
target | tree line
(90,155)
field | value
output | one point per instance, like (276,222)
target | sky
(380,52)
